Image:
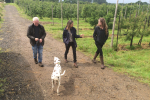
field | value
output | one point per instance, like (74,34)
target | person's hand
(40,40)
(36,39)
(82,35)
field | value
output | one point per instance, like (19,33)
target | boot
(102,62)
(41,65)
(66,61)
(75,65)
(35,60)
(94,59)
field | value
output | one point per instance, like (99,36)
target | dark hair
(69,24)
(104,24)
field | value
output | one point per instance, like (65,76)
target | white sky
(125,1)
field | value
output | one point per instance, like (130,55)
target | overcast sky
(125,1)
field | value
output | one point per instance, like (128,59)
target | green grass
(132,61)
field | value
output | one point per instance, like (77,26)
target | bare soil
(28,81)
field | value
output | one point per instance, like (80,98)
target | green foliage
(100,1)
(91,12)
(9,1)
(70,1)
(85,12)
(137,25)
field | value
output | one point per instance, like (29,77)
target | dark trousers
(73,48)
(99,48)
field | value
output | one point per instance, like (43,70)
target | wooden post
(71,12)
(121,17)
(118,31)
(61,14)
(122,10)
(139,7)
(112,38)
(107,11)
(78,17)
(125,13)
(52,15)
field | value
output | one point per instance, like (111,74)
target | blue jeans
(37,49)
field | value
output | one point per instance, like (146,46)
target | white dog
(56,75)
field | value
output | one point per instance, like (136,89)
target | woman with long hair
(69,35)
(100,36)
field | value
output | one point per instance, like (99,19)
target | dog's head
(56,60)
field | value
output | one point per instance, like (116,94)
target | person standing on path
(69,35)
(100,36)
(36,33)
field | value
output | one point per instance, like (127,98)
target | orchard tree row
(75,1)
(89,12)
(132,19)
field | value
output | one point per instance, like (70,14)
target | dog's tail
(63,73)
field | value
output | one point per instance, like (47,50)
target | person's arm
(95,34)
(29,34)
(44,33)
(77,36)
(64,35)
(107,34)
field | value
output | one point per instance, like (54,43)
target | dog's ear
(55,58)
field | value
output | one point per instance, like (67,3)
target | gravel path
(88,82)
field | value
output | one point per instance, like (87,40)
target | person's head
(69,24)
(36,21)
(102,24)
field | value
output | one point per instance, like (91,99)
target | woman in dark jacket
(69,36)
(100,36)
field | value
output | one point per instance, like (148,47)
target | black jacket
(100,36)
(66,36)
(31,32)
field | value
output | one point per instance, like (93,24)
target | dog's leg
(58,86)
(52,85)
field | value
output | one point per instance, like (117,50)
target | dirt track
(88,82)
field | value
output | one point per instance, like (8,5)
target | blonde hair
(69,24)
(104,24)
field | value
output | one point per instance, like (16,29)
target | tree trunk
(61,14)
(140,41)
(131,41)
(78,17)
(112,38)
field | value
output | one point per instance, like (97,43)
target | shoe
(94,59)
(41,65)
(66,61)
(35,60)
(102,62)
(75,65)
